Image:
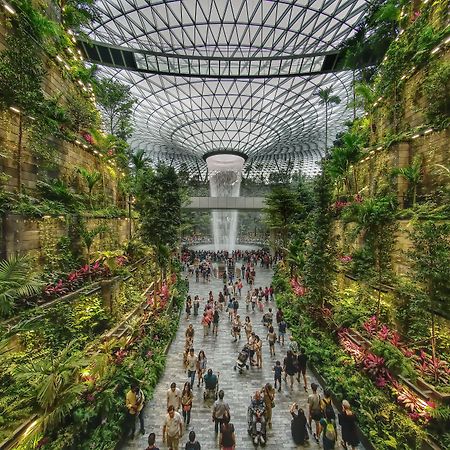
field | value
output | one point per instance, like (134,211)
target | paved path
(221,353)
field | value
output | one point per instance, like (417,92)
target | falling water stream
(225,181)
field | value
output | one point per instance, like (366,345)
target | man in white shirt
(174,397)
(191,366)
(173,428)
(220,408)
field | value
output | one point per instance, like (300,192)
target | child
(278,370)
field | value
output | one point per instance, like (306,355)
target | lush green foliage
(281,213)
(431,262)
(394,359)
(116,104)
(17,280)
(33,348)
(386,426)
(158,200)
(320,250)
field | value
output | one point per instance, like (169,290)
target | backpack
(327,409)
(330,432)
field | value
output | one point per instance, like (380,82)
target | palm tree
(17,280)
(412,174)
(54,385)
(88,237)
(365,97)
(327,99)
(345,157)
(91,179)
(140,160)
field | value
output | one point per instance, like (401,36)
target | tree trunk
(326,129)
(19,155)
(433,345)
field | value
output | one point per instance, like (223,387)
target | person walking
(272,338)
(282,331)
(219,411)
(289,368)
(298,425)
(326,405)
(347,421)
(205,323)
(235,306)
(248,327)
(315,412)
(174,397)
(188,307)
(257,346)
(189,333)
(236,328)
(227,436)
(135,403)
(201,366)
(192,444)
(196,305)
(151,442)
(269,400)
(329,433)
(302,361)
(277,369)
(215,322)
(293,346)
(172,428)
(191,366)
(186,402)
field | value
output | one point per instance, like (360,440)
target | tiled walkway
(221,352)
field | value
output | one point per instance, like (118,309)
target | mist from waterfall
(225,174)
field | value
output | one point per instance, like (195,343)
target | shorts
(302,370)
(282,333)
(173,442)
(316,415)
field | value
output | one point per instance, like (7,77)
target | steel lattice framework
(224,75)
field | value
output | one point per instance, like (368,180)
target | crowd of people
(318,417)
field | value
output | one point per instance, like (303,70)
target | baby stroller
(242,358)
(256,426)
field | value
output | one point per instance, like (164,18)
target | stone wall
(68,156)
(40,237)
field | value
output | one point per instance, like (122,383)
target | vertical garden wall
(365,284)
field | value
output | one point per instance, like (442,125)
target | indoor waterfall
(224,181)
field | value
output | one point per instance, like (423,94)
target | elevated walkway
(242,203)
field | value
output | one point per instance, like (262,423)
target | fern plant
(17,280)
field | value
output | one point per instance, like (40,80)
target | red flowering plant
(345,259)
(434,370)
(298,288)
(75,279)
(374,366)
(418,408)
(338,205)
(87,137)
(350,347)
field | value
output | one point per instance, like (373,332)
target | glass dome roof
(222,74)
